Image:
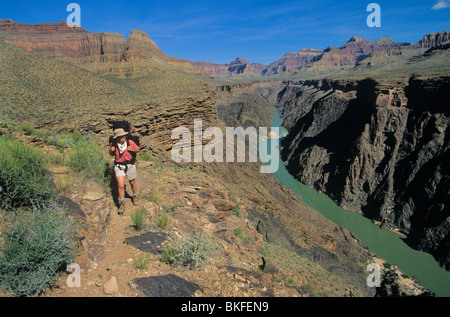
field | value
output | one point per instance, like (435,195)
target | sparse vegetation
(27,128)
(138,217)
(237,211)
(163,220)
(63,184)
(55,158)
(35,249)
(142,262)
(37,240)
(156,195)
(192,254)
(172,209)
(88,159)
(145,156)
(24,178)
(240,234)
(33,88)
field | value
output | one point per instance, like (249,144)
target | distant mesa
(239,67)
(355,52)
(110,54)
(103,53)
(433,39)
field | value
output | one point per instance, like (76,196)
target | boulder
(223,204)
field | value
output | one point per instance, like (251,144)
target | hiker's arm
(133,147)
(112,150)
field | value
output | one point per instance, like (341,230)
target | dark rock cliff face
(377,148)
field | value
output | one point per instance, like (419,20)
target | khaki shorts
(129,171)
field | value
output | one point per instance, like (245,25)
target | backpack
(127,127)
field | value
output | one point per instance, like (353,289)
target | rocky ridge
(355,53)
(102,53)
(375,147)
(238,68)
(60,96)
(292,61)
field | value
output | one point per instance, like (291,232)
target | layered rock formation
(433,39)
(102,53)
(237,68)
(351,53)
(356,54)
(59,96)
(377,148)
(292,61)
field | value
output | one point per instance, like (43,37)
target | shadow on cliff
(338,139)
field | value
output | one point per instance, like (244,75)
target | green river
(384,244)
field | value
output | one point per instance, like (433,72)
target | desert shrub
(238,232)
(68,140)
(24,178)
(156,195)
(27,128)
(88,160)
(237,211)
(142,262)
(145,156)
(163,220)
(192,254)
(56,158)
(36,247)
(138,218)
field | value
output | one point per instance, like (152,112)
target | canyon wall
(380,148)
(102,53)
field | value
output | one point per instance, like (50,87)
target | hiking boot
(121,209)
(135,200)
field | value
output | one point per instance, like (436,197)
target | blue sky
(256,30)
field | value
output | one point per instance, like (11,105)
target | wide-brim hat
(119,132)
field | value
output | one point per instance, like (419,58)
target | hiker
(124,151)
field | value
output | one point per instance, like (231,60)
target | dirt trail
(105,253)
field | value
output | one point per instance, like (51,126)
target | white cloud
(441,4)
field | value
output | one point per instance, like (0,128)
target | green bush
(163,220)
(138,218)
(156,195)
(238,232)
(24,178)
(87,158)
(27,128)
(192,254)
(237,211)
(145,156)
(68,140)
(34,250)
(142,262)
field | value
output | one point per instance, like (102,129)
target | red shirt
(125,156)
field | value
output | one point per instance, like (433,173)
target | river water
(384,244)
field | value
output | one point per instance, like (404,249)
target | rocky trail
(112,248)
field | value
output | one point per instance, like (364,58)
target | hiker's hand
(112,148)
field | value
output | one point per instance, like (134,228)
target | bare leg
(134,186)
(121,187)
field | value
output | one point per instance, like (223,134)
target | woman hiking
(124,151)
